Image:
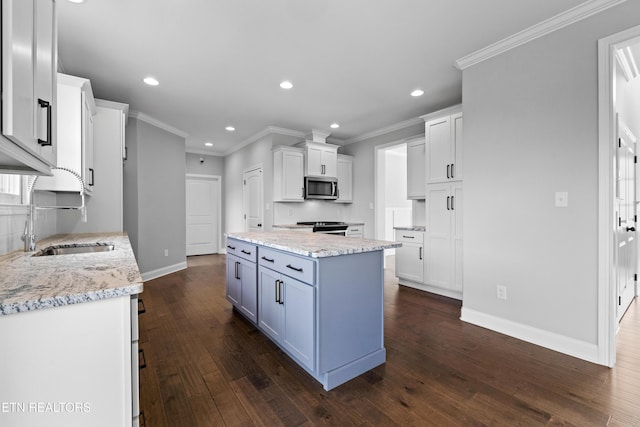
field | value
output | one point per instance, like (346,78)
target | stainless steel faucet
(29,235)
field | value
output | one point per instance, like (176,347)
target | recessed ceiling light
(209,144)
(151,81)
(76,1)
(286,84)
(334,126)
(417,92)
(230,128)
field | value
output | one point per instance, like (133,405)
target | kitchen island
(69,328)
(318,297)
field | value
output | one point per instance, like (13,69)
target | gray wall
(157,220)
(530,129)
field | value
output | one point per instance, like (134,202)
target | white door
(203,196)
(253,199)
(625,204)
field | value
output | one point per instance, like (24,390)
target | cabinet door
(456,233)
(329,161)
(410,262)
(438,236)
(345,180)
(269,307)
(314,161)
(292,176)
(87,144)
(248,290)
(18,93)
(233,280)
(456,137)
(46,64)
(438,147)
(415,170)
(298,336)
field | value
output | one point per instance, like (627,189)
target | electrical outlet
(501,292)
(166,252)
(562,199)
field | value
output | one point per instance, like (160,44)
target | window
(11,189)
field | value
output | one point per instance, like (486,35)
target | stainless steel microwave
(320,188)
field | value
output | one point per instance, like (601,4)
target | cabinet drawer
(293,266)
(407,236)
(241,249)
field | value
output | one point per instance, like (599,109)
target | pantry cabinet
(288,174)
(415,168)
(345,178)
(29,62)
(443,237)
(443,147)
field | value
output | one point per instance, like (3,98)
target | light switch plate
(562,199)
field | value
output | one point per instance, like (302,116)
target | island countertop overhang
(313,245)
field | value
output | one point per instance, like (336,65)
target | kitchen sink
(76,248)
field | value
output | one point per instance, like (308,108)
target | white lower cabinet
(242,289)
(355,231)
(59,371)
(410,257)
(287,313)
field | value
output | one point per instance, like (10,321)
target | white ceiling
(220,62)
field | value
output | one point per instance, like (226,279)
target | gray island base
(318,297)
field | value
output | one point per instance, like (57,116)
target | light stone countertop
(31,283)
(314,245)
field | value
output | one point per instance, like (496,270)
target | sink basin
(76,248)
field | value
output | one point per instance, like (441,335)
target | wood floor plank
(208,366)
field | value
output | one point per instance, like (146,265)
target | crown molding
(157,123)
(204,152)
(270,130)
(398,126)
(571,16)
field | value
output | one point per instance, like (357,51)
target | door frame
(607,293)
(218,184)
(244,189)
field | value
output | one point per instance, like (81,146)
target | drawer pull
(233,248)
(299,270)
(141,303)
(268,259)
(408,237)
(245,252)
(144,360)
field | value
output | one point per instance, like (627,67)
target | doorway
(252,195)
(618,74)
(203,213)
(392,209)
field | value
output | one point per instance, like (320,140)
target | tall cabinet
(444,202)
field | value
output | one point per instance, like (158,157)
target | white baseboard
(154,274)
(561,343)
(433,289)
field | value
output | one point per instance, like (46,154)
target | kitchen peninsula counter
(35,282)
(319,297)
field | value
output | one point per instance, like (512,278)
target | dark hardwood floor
(208,366)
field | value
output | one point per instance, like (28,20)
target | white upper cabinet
(76,108)
(321,159)
(288,174)
(415,168)
(345,179)
(29,61)
(443,139)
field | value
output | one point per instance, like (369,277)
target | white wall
(530,129)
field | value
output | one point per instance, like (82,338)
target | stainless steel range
(328,227)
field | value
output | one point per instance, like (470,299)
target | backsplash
(310,210)
(12,224)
